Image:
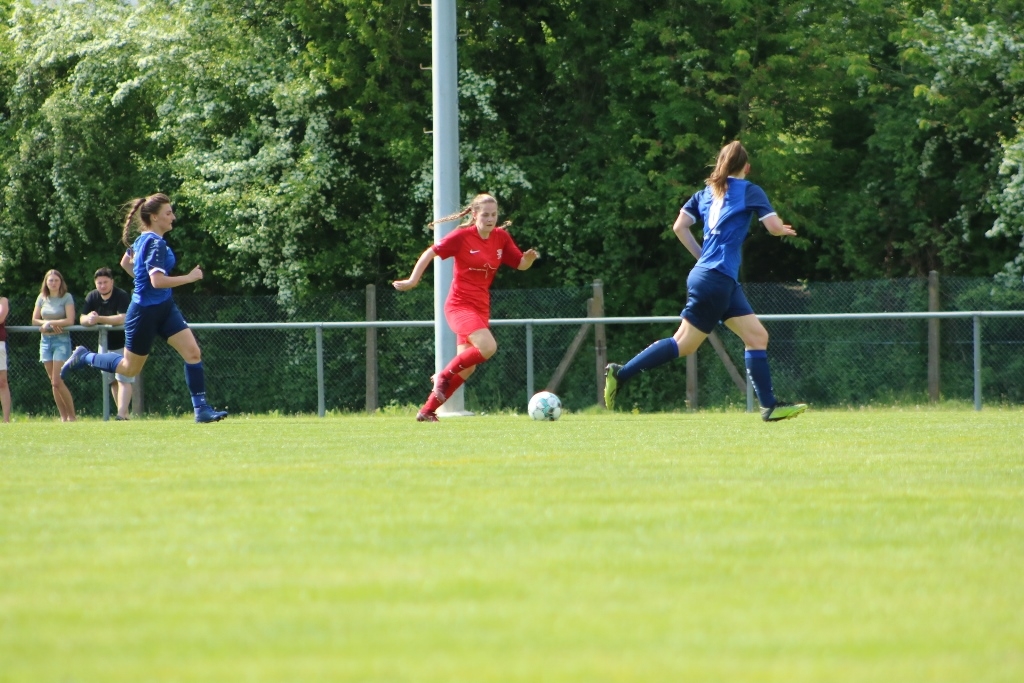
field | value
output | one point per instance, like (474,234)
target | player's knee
(488,349)
(192,356)
(757,340)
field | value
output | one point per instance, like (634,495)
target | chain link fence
(827,363)
(263,371)
(848,363)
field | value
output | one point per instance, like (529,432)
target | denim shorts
(711,297)
(54,347)
(110,377)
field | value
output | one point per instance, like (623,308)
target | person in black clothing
(106,305)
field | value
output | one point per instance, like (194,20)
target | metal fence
(831,344)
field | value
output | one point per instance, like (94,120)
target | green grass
(881,545)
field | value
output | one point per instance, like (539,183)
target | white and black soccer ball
(545,406)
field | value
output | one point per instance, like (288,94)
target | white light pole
(445,73)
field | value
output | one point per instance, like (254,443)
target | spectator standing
(55,310)
(107,305)
(5,390)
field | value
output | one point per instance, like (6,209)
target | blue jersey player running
(713,289)
(152,311)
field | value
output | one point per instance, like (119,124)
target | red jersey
(476,262)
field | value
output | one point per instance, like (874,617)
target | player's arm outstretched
(529,256)
(776,227)
(162,281)
(425,259)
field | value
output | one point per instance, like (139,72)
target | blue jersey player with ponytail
(152,312)
(714,293)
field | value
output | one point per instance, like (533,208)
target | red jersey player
(479,249)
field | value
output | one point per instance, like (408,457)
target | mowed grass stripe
(840,546)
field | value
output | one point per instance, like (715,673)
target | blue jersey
(726,223)
(151,255)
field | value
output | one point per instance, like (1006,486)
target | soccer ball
(545,406)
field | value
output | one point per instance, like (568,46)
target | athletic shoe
(611,384)
(441,388)
(206,414)
(782,411)
(76,361)
(427,417)
(118,418)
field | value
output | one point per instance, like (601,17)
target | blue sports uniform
(714,293)
(152,311)
(713,289)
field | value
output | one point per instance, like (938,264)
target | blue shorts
(54,347)
(142,324)
(713,296)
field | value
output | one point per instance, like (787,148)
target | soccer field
(881,545)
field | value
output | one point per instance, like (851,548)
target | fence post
(691,381)
(570,354)
(600,345)
(101,347)
(371,349)
(933,337)
(320,402)
(977,362)
(529,362)
(139,394)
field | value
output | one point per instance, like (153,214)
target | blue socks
(760,376)
(104,361)
(658,353)
(195,378)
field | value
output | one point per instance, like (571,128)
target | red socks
(432,404)
(464,361)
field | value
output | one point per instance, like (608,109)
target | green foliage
(291,135)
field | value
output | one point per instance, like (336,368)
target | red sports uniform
(468,307)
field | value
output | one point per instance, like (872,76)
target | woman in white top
(55,310)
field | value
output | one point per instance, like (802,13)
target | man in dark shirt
(106,305)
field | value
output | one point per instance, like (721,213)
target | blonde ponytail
(471,208)
(451,217)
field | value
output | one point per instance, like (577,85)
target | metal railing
(529,324)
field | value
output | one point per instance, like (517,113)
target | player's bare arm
(529,256)
(682,230)
(424,261)
(161,281)
(776,227)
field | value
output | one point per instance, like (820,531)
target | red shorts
(464,322)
